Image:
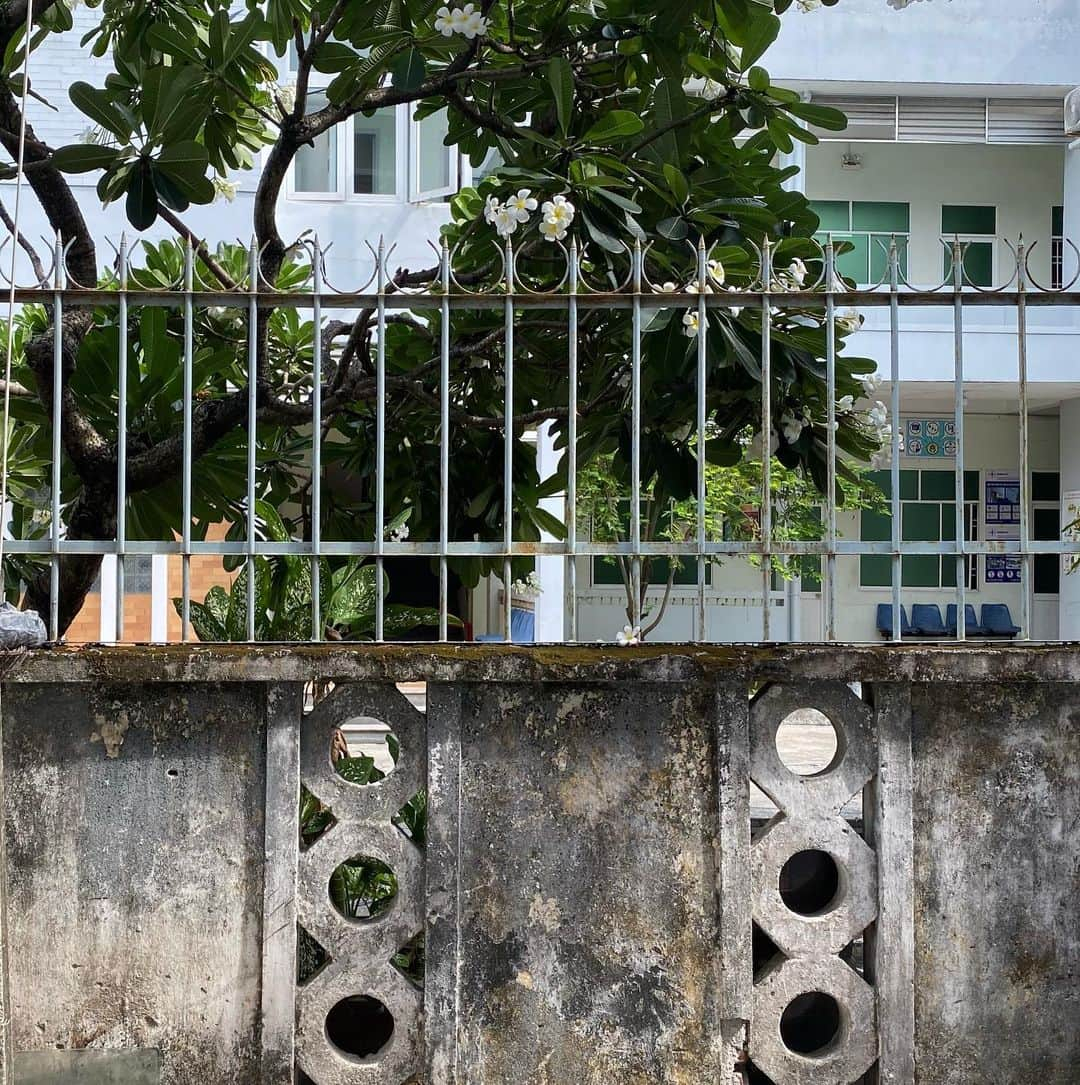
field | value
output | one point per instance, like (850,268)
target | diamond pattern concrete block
(853,908)
(851,768)
(851,1052)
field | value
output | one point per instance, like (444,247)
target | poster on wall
(1070,508)
(1002,568)
(932,438)
(1001,505)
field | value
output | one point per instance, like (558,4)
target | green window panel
(875,571)
(971,485)
(1057,221)
(879,257)
(921,570)
(921,522)
(938,486)
(878,217)
(957,219)
(811,572)
(1045,486)
(978,259)
(875,527)
(855,262)
(909,485)
(948,572)
(833,214)
(948,523)
(882,480)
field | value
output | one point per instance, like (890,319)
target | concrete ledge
(559,663)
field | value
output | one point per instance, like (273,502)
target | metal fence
(571,297)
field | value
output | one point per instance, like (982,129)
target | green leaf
(408,70)
(83,157)
(100,108)
(758,78)
(166,40)
(561,78)
(821,116)
(760,35)
(142,198)
(617,124)
(677,182)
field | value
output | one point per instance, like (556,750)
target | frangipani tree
(633,124)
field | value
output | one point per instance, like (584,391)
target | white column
(551,569)
(159,598)
(1069,597)
(1071,205)
(107,599)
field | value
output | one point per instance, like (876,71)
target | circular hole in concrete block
(810,882)
(359,1026)
(810,1023)
(364,750)
(806,742)
(362,888)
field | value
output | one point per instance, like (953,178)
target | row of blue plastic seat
(926,621)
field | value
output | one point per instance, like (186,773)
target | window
(138,575)
(927,514)
(1057,248)
(374,159)
(365,158)
(868,228)
(1046,527)
(434,166)
(316,169)
(976,230)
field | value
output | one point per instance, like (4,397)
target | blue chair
(972,628)
(522,628)
(926,620)
(997,621)
(884,621)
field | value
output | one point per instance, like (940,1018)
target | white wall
(1023,183)
(967,42)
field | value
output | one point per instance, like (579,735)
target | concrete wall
(596,901)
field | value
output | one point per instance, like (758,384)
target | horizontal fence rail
(767,291)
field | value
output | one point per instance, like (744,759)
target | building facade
(957,129)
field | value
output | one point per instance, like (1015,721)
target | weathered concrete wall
(135,847)
(591,892)
(997,879)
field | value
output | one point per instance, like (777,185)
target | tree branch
(199,246)
(35,260)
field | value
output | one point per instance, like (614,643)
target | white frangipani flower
(735,309)
(505,221)
(711,90)
(558,210)
(808,5)
(850,320)
(869,385)
(791,426)
(443,24)
(690,324)
(473,24)
(552,231)
(797,272)
(716,272)
(521,205)
(398,534)
(693,288)
(845,403)
(628,636)
(491,209)
(878,415)
(666,288)
(225,190)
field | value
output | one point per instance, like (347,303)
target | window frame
(822,236)
(991,239)
(973,515)
(414,193)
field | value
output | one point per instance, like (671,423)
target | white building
(956,127)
